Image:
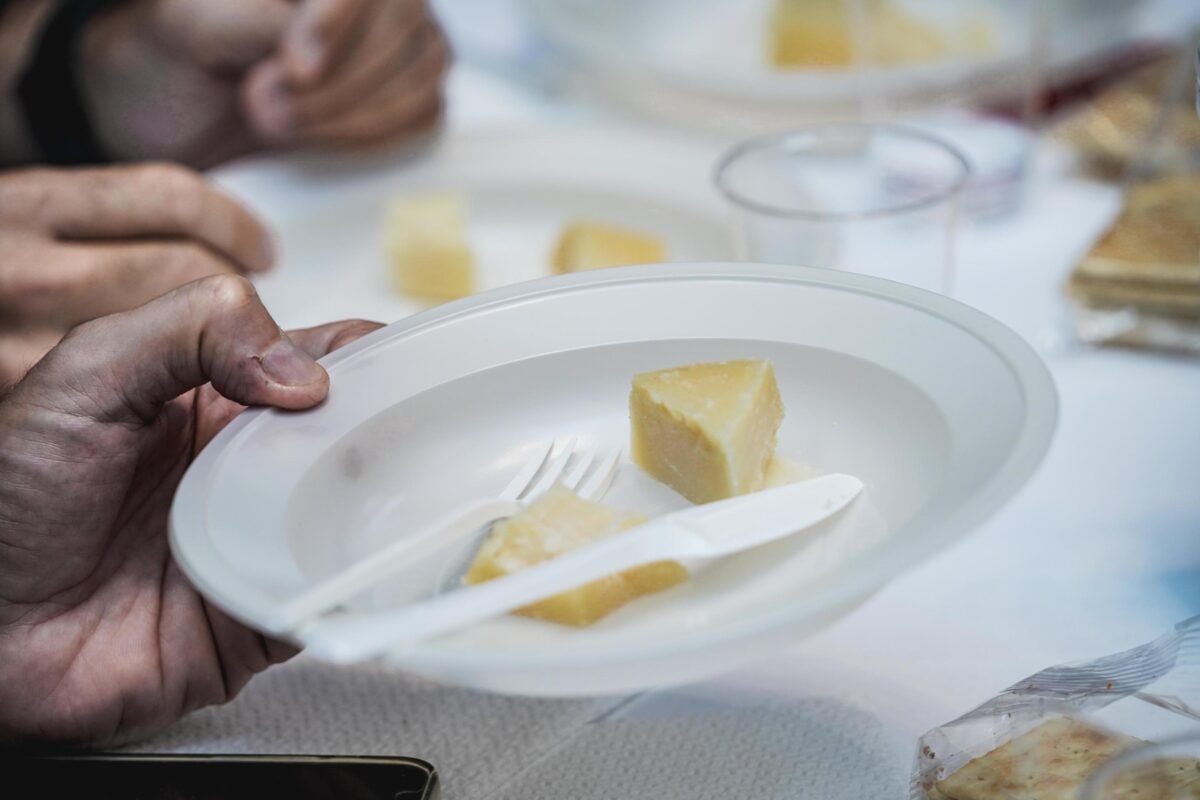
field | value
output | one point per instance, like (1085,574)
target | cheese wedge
(428,249)
(707,430)
(591,245)
(556,523)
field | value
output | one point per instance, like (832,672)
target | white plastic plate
(941,411)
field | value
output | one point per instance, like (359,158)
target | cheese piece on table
(1050,762)
(809,33)
(840,33)
(427,245)
(706,430)
(590,245)
(556,523)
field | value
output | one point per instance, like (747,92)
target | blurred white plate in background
(520,187)
(704,62)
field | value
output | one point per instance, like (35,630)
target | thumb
(122,368)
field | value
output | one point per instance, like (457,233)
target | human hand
(102,639)
(203,81)
(79,244)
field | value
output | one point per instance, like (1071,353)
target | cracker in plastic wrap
(1139,285)
(1043,738)
(1146,121)
(1049,762)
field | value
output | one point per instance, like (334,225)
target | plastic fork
(707,531)
(589,477)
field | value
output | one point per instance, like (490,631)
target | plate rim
(877,566)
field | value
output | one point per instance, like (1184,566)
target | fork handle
(358,637)
(449,529)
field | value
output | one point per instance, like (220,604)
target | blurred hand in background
(203,81)
(79,244)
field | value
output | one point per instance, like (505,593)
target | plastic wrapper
(1139,285)
(1151,692)
(1145,123)
(1130,326)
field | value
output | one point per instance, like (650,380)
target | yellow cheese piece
(590,245)
(809,33)
(556,523)
(427,245)
(706,430)
(821,33)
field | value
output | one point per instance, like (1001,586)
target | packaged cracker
(1043,738)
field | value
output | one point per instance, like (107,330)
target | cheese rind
(706,430)
(591,245)
(427,245)
(556,523)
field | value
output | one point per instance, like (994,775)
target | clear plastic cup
(880,199)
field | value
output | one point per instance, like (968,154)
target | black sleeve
(49,92)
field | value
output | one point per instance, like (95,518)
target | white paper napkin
(675,745)
(477,741)
(691,743)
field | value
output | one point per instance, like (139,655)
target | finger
(241,652)
(274,102)
(410,100)
(266,101)
(323,31)
(389,46)
(324,339)
(379,128)
(153,200)
(214,412)
(122,368)
(396,113)
(95,280)
(20,351)
(225,37)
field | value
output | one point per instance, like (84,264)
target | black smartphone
(170,777)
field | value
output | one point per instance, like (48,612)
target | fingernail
(285,363)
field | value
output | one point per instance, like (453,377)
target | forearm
(20,24)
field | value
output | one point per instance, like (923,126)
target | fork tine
(526,474)
(553,470)
(601,478)
(585,459)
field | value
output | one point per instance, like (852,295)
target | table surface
(1099,552)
